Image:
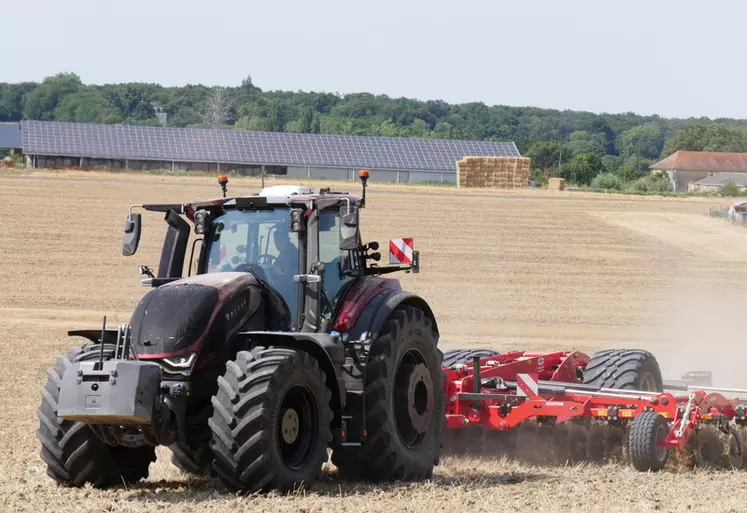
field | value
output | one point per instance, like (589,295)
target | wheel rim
(297,427)
(648,383)
(660,450)
(413,398)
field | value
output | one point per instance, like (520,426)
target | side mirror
(349,228)
(132,226)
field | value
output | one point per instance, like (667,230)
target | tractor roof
(279,195)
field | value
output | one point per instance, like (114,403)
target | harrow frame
(503,391)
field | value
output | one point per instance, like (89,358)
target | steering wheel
(243,268)
(267,259)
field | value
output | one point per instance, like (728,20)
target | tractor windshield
(260,241)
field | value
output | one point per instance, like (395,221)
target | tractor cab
(303,245)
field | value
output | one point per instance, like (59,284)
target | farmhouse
(684,167)
(394,159)
(715,181)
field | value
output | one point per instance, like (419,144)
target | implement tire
(646,432)
(73,453)
(271,421)
(404,398)
(631,369)
(464,356)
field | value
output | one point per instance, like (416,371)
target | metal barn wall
(379,175)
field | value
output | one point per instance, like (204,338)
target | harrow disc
(605,443)
(570,442)
(535,443)
(708,448)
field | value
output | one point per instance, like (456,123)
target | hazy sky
(674,58)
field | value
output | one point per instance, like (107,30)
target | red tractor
(286,341)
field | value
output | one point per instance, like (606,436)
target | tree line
(579,146)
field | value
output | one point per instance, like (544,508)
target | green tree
(707,137)
(11,100)
(547,154)
(611,163)
(581,169)
(582,142)
(316,125)
(729,189)
(84,107)
(644,140)
(307,119)
(634,167)
(41,102)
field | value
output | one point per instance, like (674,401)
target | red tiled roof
(704,161)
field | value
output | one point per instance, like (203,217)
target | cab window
(335,260)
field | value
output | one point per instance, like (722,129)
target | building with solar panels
(337,157)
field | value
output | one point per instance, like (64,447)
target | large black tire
(404,400)
(73,453)
(271,421)
(195,457)
(646,431)
(631,369)
(463,356)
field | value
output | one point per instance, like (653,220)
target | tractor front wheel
(271,420)
(73,453)
(404,400)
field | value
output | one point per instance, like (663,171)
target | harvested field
(526,269)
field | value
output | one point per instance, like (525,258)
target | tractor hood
(194,313)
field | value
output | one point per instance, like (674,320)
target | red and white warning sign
(400,251)
(526,385)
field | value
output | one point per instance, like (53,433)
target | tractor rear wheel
(647,433)
(631,369)
(271,420)
(463,356)
(73,453)
(404,398)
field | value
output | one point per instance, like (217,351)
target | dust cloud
(701,328)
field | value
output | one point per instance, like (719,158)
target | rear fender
(380,308)
(325,348)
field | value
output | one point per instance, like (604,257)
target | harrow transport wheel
(632,369)
(73,453)
(271,420)
(456,357)
(709,447)
(647,433)
(404,398)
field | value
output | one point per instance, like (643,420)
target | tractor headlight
(181,362)
(296,225)
(201,221)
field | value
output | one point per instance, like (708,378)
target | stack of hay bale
(493,172)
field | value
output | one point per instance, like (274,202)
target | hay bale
(556,184)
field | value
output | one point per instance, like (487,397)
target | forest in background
(612,151)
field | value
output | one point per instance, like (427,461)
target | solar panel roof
(10,136)
(245,147)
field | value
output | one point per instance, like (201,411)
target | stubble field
(531,270)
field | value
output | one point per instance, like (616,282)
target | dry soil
(529,269)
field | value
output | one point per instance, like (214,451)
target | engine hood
(186,315)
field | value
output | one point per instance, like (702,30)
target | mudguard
(327,349)
(379,308)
